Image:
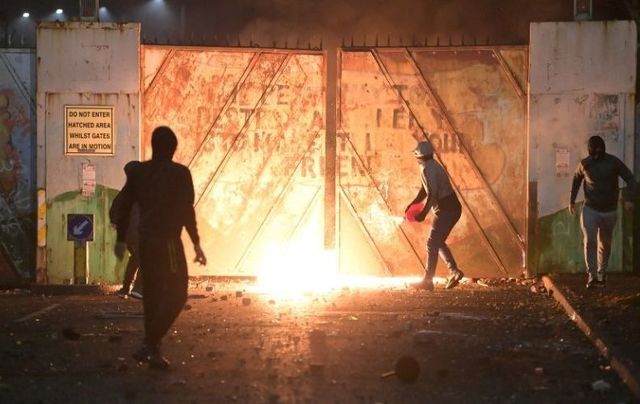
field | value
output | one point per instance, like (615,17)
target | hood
(596,147)
(163,143)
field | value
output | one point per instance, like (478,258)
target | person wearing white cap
(442,199)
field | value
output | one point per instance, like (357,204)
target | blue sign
(79,227)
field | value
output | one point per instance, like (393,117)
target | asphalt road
(495,344)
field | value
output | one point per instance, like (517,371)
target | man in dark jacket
(440,197)
(164,191)
(600,172)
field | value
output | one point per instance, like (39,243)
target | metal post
(330,145)
(80,263)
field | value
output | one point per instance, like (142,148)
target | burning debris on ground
(324,346)
(297,122)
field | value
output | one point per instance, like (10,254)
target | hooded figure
(442,200)
(163,143)
(132,240)
(164,191)
(597,147)
(599,172)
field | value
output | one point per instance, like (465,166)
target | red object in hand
(413,211)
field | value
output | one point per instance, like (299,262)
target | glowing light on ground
(295,271)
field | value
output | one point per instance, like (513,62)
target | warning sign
(88,129)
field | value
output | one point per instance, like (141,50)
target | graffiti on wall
(16,187)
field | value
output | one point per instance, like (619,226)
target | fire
(294,270)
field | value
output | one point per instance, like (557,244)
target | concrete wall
(17,165)
(100,66)
(582,83)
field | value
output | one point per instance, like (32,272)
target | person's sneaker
(151,356)
(158,362)
(454,279)
(122,292)
(135,294)
(592,281)
(424,284)
(142,355)
(601,279)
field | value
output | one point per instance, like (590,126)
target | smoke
(500,21)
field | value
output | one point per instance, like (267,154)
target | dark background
(302,23)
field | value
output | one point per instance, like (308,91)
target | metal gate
(471,103)
(250,124)
(251,128)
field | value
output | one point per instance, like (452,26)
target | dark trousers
(131,269)
(165,282)
(443,222)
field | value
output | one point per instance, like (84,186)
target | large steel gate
(251,128)
(471,103)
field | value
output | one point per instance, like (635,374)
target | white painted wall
(86,64)
(92,64)
(582,83)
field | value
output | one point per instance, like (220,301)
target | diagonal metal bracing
(364,229)
(276,202)
(441,109)
(259,103)
(227,103)
(379,191)
(492,196)
(484,237)
(509,73)
(165,63)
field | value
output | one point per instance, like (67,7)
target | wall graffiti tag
(17,207)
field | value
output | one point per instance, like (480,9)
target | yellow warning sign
(89,129)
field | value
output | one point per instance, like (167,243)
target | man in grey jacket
(600,172)
(440,197)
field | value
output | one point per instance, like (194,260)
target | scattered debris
(406,368)
(246,301)
(539,371)
(37,313)
(600,386)
(238,293)
(197,296)
(538,288)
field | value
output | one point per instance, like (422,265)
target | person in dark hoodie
(132,240)
(599,171)
(442,199)
(164,191)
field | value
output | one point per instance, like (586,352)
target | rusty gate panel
(250,125)
(469,102)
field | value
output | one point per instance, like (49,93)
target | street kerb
(605,350)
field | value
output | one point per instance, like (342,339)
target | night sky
(265,22)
